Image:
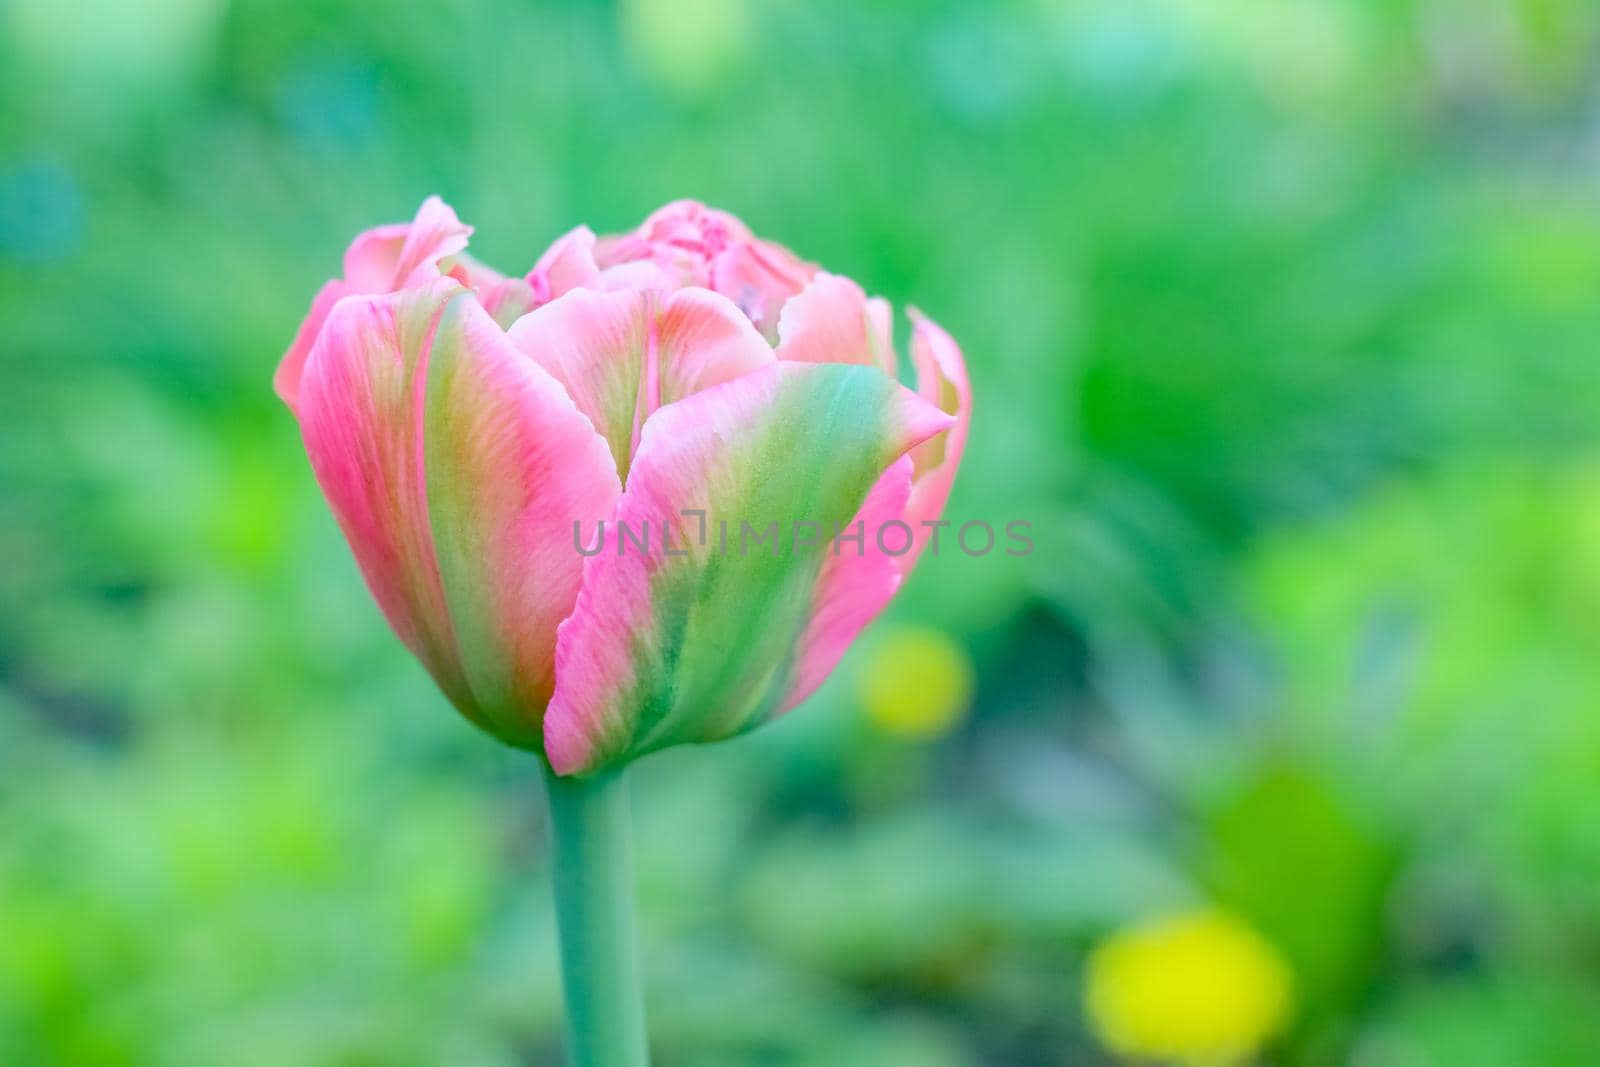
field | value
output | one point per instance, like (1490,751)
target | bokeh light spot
(917,683)
(1196,988)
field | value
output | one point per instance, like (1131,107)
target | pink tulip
(465,426)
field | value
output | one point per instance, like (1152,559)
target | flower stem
(594,907)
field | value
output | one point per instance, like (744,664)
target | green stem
(594,907)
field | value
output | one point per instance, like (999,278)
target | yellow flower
(1200,988)
(917,684)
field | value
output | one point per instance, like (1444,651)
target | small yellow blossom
(917,683)
(1200,988)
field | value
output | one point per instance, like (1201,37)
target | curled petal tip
(381,260)
(942,382)
(925,420)
(566,265)
(831,320)
(399,255)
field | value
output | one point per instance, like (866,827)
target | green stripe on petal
(360,410)
(665,649)
(511,466)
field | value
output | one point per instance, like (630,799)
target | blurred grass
(1281,319)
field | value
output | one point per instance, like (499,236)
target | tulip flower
(537,474)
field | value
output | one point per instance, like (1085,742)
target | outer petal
(942,381)
(512,469)
(701,643)
(856,585)
(370,260)
(832,321)
(360,408)
(286,382)
(381,260)
(622,355)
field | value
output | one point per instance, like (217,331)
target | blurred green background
(1282,318)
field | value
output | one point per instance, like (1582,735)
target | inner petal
(623,355)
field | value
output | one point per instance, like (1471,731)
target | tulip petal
(638,274)
(856,585)
(370,260)
(691,225)
(622,355)
(513,468)
(286,380)
(381,260)
(479,277)
(360,409)
(832,321)
(941,381)
(700,642)
(760,277)
(678,242)
(398,257)
(508,300)
(566,265)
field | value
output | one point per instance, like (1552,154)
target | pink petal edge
(942,381)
